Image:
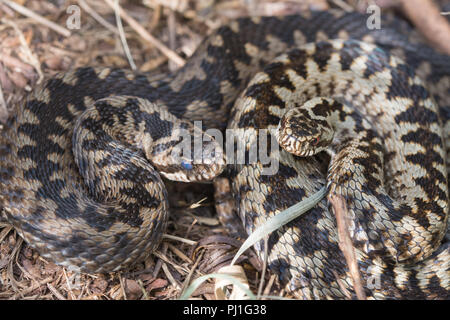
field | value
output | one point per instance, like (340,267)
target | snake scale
(82,157)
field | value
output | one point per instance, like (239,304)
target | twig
(158,264)
(171,23)
(31,58)
(122,287)
(123,39)
(187,241)
(69,287)
(345,243)
(28,13)
(147,36)
(155,17)
(343,5)
(83,4)
(3,106)
(164,259)
(55,292)
(13,260)
(17,65)
(269,285)
(169,276)
(32,288)
(179,253)
(191,272)
(428,19)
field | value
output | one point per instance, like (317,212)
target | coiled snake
(107,208)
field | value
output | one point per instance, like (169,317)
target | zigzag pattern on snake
(117,121)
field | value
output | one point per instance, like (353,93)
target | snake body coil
(378,127)
(78,157)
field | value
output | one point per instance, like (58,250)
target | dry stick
(341,285)
(158,264)
(30,14)
(3,106)
(69,287)
(144,293)
(147,36)
(269,285)
(15,64)
(32,288)
(187,241)
(122,287)
(171,22)
(180,254)
(155,17)
(343,5)
(13,259)
(345,243)
(428,19)
(164,259)
(83,4)
(187,280)
(55,292)
(169,276)
(7,229)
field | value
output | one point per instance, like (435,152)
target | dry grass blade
(237,293)
(28,13)
(83,4)
(147,36)
(55,292)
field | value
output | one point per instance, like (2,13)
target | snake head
(189,155)
(306,130)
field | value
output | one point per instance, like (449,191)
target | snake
(83,156)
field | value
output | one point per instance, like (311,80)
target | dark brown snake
(81,158)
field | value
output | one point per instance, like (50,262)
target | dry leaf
(237,293)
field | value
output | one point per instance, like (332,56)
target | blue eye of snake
(186,165)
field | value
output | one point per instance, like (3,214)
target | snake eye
(186,165)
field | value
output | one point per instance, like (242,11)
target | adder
(82,156)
